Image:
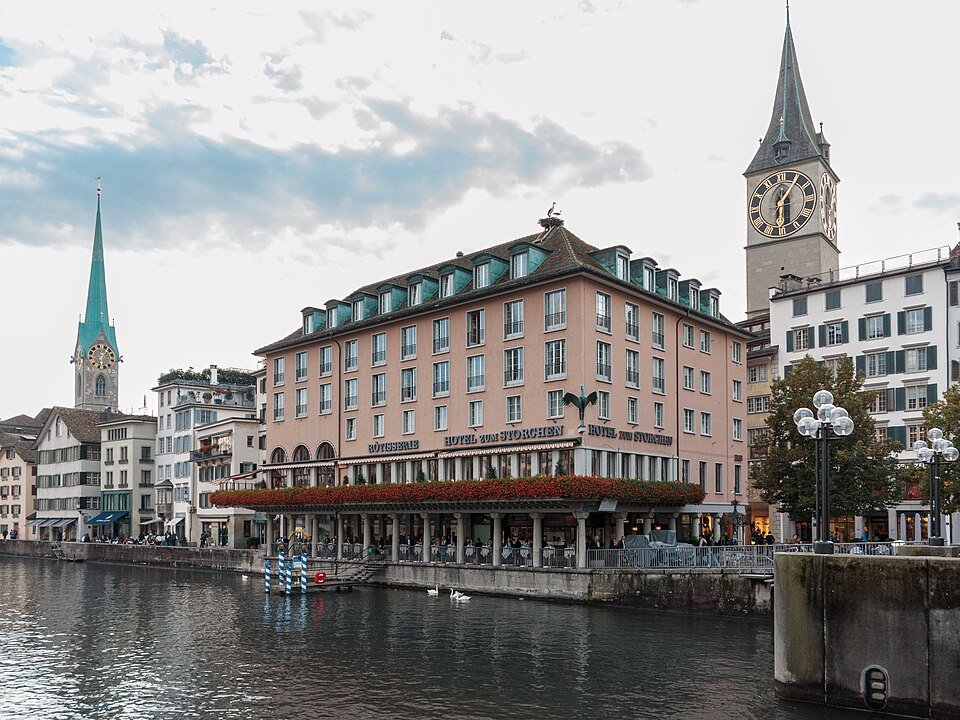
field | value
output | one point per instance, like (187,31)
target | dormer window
(446,285)
(648,279)
(672,289)
(333,317)
(694,298)
(357,310)
(386,304)
(308,326)
(519,265)
(481,276)
(715,306)
(413,294)
(623,268)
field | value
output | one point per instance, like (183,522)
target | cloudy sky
(257,158)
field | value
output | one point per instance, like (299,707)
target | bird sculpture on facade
(581,404)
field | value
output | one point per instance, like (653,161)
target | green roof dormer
(96,318)
(453,279)
(391,297)
(314,319)
(668,284)
(690,293)
(428,288)
(496,267)
(615,260)
(643,272)
(525,258)
(338,313)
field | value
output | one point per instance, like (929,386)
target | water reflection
(129,642)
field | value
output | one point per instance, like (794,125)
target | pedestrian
(4,533)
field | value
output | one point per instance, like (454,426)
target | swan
(455,595)
(435,592)
(462,598)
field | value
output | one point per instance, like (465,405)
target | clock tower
(96,358)
(791,193)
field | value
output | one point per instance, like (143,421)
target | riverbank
(680,590)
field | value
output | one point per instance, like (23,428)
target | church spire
(791,136)
(96,318)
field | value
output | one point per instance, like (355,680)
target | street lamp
(940,448)
(817,427)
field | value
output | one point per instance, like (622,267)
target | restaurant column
(648,524)
(395,537)
(268,547)
(340,538)
(696,526)
(314,529)
(314,472)
(497,555)
(673,521)
(581,538)
(618,520)
(716,526)
(461,532)
(426,537)
(537,538)
(367,532)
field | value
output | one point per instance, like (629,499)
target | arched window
(325,451)
(101,386)
(277,478)
(301,475)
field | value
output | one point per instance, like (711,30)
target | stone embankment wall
(872,633)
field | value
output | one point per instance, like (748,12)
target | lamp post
(817,427)
(940,448)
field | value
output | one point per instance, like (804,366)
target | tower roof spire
(791,135)
(97,314)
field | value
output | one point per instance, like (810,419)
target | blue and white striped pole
(303,573)
(289,577)
(266,576)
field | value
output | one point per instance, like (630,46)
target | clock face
(782,203)
(828,206)
(101,356)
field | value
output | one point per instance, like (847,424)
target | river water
(106,641)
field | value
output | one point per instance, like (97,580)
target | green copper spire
(97,315)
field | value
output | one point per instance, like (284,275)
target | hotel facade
(459,370)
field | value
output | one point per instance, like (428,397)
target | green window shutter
(787,370)
(901,362)
(789,340)
(822,332)
(891,362)
(932,395)
(928,318)
(886,325)
(862,328)
(861,363)
(898,433)
(845,331)
(901,395)
(932,357)
(901,323)
(813,337)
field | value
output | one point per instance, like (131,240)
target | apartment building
(127,494)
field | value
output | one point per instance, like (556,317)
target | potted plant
(207,396)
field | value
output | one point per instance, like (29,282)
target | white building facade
(226,449)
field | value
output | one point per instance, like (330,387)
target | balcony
(378,398)
(555,321)
(108,462)
(123,461)
(555,371)
(326,406)
(603,322)
(146,460)
(350,402)
(350,364)
(513,329)
(657,338)
(441,344)
(633,378)
(326,368)
(603,371)
(210,453)
(658,385)
(475,382)
(378,357)
(513,377)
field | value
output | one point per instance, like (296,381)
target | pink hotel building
(458,371)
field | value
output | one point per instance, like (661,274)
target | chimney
(213,374)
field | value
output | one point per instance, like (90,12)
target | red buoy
(320,577)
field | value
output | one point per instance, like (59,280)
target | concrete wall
(838,616)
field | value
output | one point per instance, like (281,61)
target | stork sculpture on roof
(581,404)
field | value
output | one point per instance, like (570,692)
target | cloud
(320,25)
(938,202)
(7,56)
(483,54)
(285,77)
(888,205)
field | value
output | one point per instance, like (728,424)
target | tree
(944,414)
(864,472)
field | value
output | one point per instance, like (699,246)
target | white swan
(462,598)
(455,594)
(435,592)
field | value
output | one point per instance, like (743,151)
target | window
(603,312)
(475,327)
(351,429)
(688,334)
(414,294)
(915,360)
(954,289)
(799,306)
(633,368)
(603,405)
(737,352)
(916,397)
(603,361)
(737,429)
(514,414)
(685,470)
(408,384)
(718,478)
(350,394)
(874,292)
(278,406)
(632,316)
(519,265)
(834,333)
(408,342)
(694,298)
(756,373)
(475,413)
(801,338)
(672,289)
(386,302)
(879,433)
(378,389)
(326,360)
(705,341)
(408,420)
(555,404)
(704,382)
(706,424)
(632,410)
(688,375)
(301,402)
(301,366)
(759,404)
(481,275)
(914,433)
(326,398)
(623,268)
(648,278)
(440,417)
(475,373)
(446,285)
(555,355)
(659,386)
(913,285)
(378,349)
(357,310)
(378,426)
(737,391)
(703,474)
(441,335)
(513,319)
(831,300)
(876,364)
(879,402)
(658,415)
(351,355)
(874,327)
(513,366)
(555,310)
(441,378)
(915,321)
(688,421)
(737,479)
(278,364)
(657,325)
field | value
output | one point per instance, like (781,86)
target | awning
(62,522)
(239,476)
(296,465)
(151,522)
(173,523)
(39,522)
(374,459)
(499,450)
(108,518)
(212,519)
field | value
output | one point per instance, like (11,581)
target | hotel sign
(393,446)
(629,435)
(535,433)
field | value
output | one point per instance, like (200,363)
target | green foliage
(491,473)
(864,473)
(420,476)
(559,469)
(944,414)
(224,377)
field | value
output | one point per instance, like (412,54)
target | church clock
(828,206)
(782,203)
(101,356)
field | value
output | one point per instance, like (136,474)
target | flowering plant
(573,487)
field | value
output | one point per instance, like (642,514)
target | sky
(259,158)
